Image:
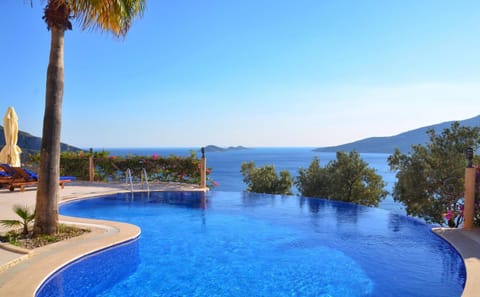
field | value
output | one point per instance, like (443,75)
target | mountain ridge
(32,144)
(402,141)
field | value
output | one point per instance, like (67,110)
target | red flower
(448,215)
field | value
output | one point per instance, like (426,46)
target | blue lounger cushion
(34,176)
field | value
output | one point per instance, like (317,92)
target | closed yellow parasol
(10,153)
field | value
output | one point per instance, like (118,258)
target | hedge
(113,168)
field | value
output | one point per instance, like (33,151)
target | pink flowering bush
(112,168)
(454,215)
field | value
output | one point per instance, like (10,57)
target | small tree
(265,179)
(25,215)
(430,180)
(348,178)
(313,181)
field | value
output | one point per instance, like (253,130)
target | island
(214,148)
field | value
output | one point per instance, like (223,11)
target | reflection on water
(379,232)
(344,212)
(394,222)
(250,199)
(183,199)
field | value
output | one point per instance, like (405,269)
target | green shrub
(430,179)
(265,179)
(348,178)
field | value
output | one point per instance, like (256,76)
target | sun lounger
(62,180)
(19,177)
(16,178)
(5,178)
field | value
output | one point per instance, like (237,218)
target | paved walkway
(16,266)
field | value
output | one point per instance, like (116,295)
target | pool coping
(467,244)
(25,276)
(17,279)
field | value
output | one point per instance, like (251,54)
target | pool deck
(22,271)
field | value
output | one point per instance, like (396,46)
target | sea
(226,164)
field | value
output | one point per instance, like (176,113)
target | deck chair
(22,177)
(5,178)
(14,178)
(61,181)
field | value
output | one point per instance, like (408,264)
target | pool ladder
(143,179)
(129,179)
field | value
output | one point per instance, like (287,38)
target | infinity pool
(241,244)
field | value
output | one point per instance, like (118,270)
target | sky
(247,72)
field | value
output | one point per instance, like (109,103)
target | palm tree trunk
(46,209)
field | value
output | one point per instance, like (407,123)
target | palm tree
(114,16)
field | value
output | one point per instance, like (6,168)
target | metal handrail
(129,179)
(144,179)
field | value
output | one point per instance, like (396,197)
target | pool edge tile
(467,244)
(25,277)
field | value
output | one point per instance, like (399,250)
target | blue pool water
(244,244)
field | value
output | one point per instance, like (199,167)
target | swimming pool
(243,244)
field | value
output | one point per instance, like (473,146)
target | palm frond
(114,16)
(10,223)
(23,212)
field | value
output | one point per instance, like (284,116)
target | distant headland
(403,141)
(214,148)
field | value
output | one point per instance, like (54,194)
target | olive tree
(348,178)
(430,179)
(312,181)
(266,180)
